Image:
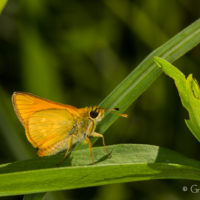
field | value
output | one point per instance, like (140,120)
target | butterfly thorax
(85,127)
(86,124)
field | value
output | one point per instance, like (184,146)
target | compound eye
(93,114)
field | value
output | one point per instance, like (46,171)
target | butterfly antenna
(122,115)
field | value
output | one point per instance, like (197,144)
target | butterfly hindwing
(50,130)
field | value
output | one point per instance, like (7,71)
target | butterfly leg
(68,149)
(90,148)
(94,134)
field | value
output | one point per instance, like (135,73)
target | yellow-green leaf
(189,93)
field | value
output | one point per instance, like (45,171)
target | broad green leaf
(130,162)
(2,4)
(189,93)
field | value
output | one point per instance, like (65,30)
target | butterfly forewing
(26,104)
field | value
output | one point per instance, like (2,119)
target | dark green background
(76,52)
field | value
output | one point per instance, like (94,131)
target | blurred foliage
(76,52)
(2,5)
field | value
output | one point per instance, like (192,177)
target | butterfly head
(96,113)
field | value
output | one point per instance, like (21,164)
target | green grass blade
(132,162)
(147,72)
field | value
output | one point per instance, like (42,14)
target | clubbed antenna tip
(122,115)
